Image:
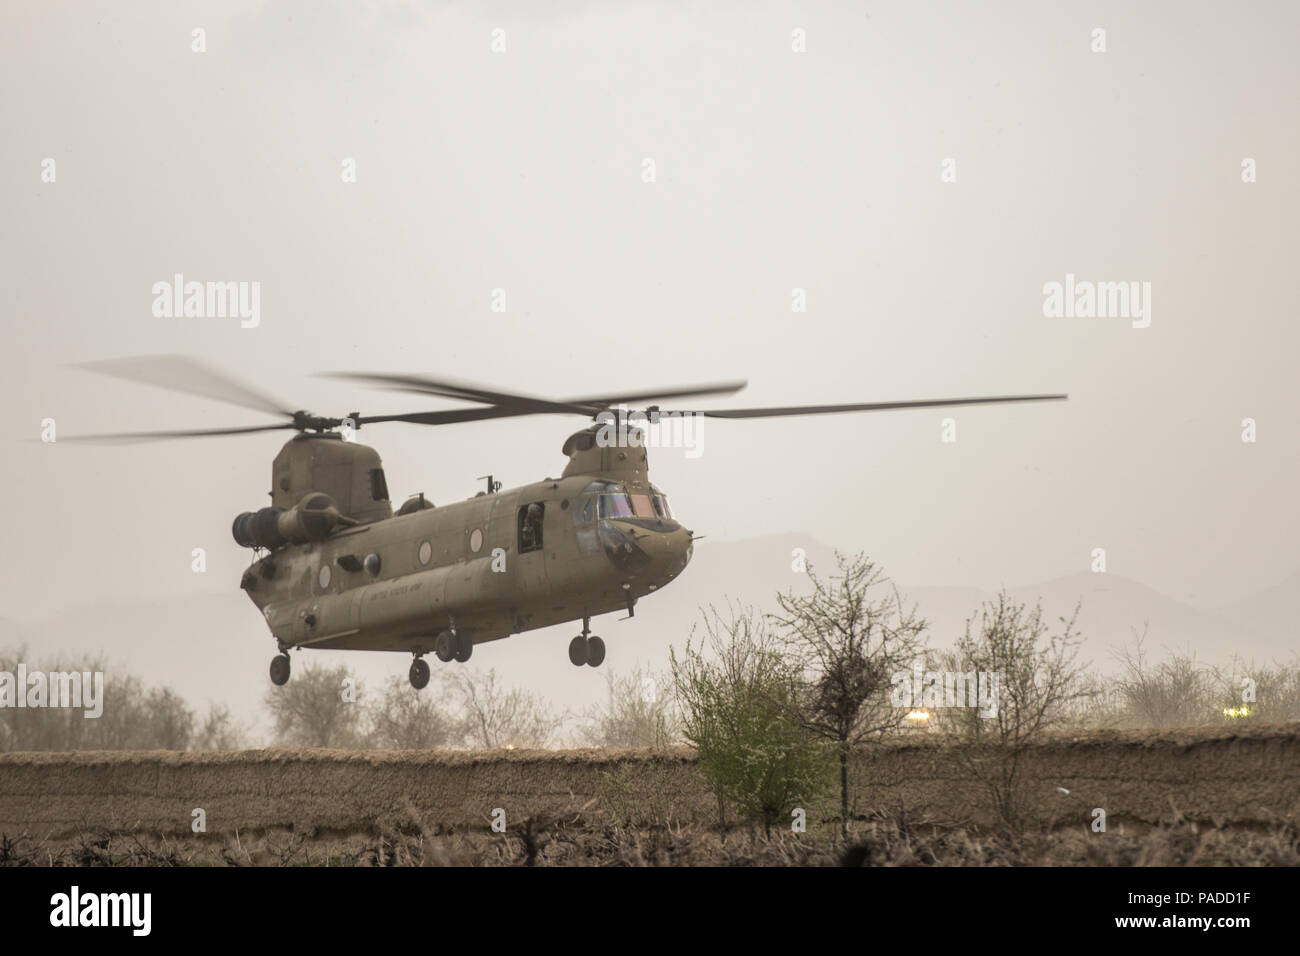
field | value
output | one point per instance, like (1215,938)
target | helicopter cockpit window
(585,512)
(661,504)
(641,505)
(616,506)
(530,527)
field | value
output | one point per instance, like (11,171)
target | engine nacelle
(314,518)
(258,529)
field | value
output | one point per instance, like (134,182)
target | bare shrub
(403,718)
(310,710)
(220,731)
(1095,702)
(639,712)
(1258,693)
(1176,692)
(849,636)
(1037,685)
(495,717)
(134,716)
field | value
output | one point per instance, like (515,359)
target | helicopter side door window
(530,527)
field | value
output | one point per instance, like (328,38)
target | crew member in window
(531,539)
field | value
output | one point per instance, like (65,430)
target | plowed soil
(1230,778)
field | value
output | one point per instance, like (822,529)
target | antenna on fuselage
(492,486)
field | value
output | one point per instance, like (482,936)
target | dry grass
(886,841)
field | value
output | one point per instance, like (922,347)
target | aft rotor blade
(125,437)
(781,412)
(693,391)
(480,414)
(183,374)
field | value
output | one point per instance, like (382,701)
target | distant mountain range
(216,647)
(1112,609)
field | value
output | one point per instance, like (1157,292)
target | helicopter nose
(652,552)
(669,550)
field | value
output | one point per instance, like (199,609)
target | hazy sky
(522,170)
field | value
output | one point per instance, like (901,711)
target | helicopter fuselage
(494,565)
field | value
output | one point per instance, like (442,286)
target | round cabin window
(426,552)
(476,541)
(324,576)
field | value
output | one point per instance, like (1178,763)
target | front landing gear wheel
(595,651)
(578,651)
(464,647)
(419,674)
(280,670)
(445,646)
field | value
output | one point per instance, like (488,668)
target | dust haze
(518,177)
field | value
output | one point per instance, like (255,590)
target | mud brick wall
(1247,776)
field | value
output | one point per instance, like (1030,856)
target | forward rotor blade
(463,391)
(449,417)
(183,374)
(126,437)
(511,403)
(780,412)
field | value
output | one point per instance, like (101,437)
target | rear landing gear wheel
(280,670)
(578,651)
(419,674)
(595,651)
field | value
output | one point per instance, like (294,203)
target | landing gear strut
(419,674)
(280,670)
(585,649)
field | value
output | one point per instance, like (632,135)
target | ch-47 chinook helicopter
(335,567)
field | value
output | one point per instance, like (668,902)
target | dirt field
(1247,779)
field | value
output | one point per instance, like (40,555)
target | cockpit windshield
(616,506)
(613,502)
(642,506)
